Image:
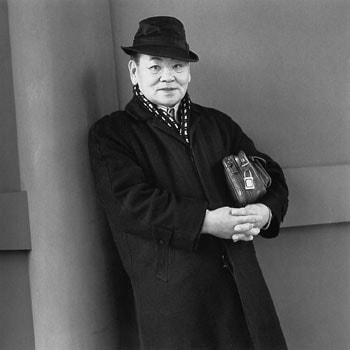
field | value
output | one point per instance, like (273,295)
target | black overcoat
(155,189)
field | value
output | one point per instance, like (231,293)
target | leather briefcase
(246,177)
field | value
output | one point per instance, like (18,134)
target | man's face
(163,81)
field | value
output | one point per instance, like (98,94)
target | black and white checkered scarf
(183,113)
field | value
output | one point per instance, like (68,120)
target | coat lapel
(138,112)
(159,124)
(194,120)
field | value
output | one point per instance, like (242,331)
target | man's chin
(167,102)
(166,99)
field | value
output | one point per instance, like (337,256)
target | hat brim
(162,51)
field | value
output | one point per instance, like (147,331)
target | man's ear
(132,70)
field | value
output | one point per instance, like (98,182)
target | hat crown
(162,36)
(162,24)
(161,30)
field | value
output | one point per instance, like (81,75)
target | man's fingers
(239,211)
(242,237)
(248,229)
(245,214)
(248,219)
(254,231)
(247,236)
(243,227)
(250,209)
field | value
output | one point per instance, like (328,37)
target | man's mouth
(168,89)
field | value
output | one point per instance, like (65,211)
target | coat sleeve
(276,197)
(134,206)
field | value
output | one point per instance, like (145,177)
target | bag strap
(243,161)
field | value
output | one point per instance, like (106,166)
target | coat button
(161,242)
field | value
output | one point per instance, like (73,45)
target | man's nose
(167,74)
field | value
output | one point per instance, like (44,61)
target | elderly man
(183,240)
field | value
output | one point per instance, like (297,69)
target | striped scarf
(183,112)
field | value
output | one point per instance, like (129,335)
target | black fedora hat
(162,36)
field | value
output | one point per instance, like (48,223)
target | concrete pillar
(16,321)
(64,79)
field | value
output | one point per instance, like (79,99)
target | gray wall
(307,270)
(281,69)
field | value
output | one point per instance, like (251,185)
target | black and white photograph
(175,175)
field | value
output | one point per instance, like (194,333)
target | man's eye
(178,67)
(154,69)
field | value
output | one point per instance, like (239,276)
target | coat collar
(137,111)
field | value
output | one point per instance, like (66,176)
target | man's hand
(224,222)
(236,223)
(242,232)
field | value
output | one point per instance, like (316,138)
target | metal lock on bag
(248,180)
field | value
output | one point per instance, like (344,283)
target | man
(185,244)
